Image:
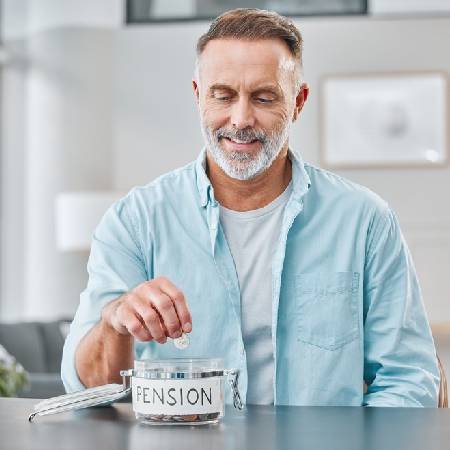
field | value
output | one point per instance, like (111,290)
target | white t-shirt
(252,237)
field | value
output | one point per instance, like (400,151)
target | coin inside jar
(181,342)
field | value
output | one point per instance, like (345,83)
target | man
(295,276)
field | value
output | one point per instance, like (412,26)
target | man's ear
(196,91)
(300,100)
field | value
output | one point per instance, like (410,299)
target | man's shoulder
(170,186)
(170,181)
(338,189)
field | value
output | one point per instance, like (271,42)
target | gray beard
(245,165)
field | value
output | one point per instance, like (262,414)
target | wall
(14,17)
(155,115)
(12,189)
(56,136)
(69,126)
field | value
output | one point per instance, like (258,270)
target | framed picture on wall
(384,120)
(149,11)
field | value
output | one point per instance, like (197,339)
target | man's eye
(221,96)
(264,100)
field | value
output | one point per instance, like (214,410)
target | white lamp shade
(78,214)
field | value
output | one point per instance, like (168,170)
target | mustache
(245,134)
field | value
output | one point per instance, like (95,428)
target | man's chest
(315,246)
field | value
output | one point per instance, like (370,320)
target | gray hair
(255,24)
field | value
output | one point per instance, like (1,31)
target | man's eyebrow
(220,86)
(267,87)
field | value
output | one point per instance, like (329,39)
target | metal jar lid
(178,368)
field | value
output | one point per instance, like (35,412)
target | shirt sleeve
(400,365)
(115,266)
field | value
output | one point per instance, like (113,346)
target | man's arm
(102,354)
(119,305)
(399,355)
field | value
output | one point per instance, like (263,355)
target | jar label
(177,397)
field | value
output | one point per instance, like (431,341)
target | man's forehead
(253,76)
(264,54)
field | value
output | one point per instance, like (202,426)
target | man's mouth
(238,141)
(240,145)
(236,145)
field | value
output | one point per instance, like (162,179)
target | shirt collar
(300,178)
(203,183)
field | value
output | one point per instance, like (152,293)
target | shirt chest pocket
(327,308)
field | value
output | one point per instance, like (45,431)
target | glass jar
(181,391)
(169,391)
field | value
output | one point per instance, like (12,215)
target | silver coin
(181,342)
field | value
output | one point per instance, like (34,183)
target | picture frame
(384,120)
(163,11)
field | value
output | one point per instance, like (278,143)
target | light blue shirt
(346,303)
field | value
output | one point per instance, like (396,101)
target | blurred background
(96,98)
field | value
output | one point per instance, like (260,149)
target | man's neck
(247,195)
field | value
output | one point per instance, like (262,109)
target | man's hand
(154,310)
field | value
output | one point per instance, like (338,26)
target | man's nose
(242,114)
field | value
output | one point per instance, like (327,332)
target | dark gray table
(262,427)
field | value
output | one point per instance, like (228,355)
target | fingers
(126,318)
(179,303)
(153,310)
(152,320)
(165,307)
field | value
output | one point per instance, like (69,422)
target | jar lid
(95,396)
(181,368)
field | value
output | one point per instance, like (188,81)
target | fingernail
(187,327)
(177,334)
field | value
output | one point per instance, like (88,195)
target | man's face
(247,102)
